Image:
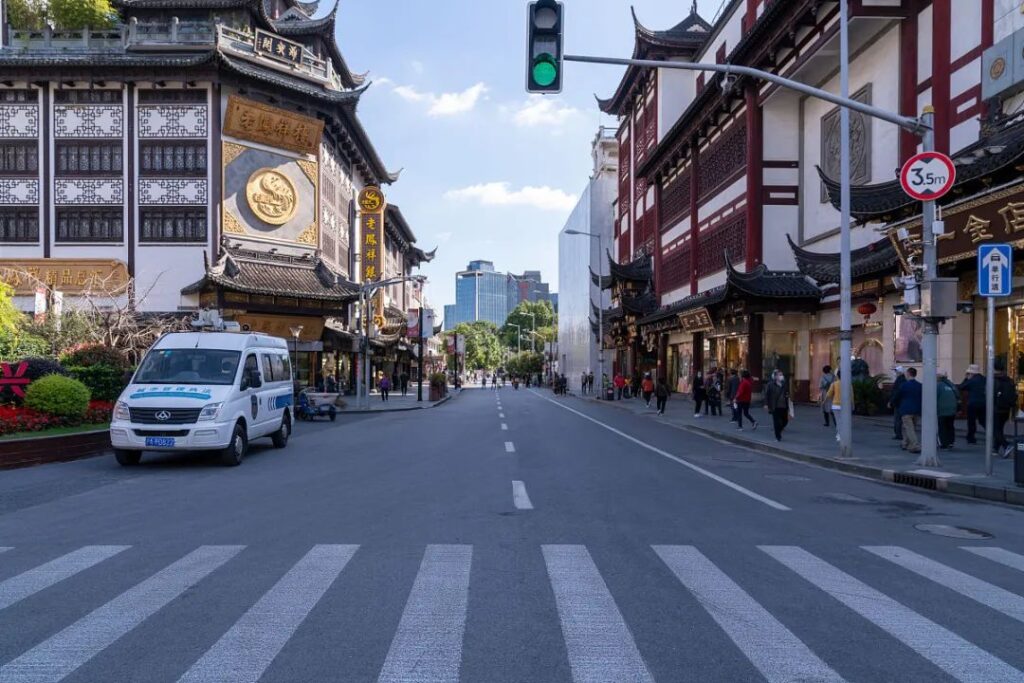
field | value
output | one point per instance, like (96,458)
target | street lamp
(533,330)
(296,330)
(600,299)
(366,292)
(519,335)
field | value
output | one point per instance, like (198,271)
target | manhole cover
(732,457)
(953,531)
(786,477)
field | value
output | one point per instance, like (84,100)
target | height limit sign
(928,176)
(995,269)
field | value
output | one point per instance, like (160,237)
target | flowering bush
(20,419)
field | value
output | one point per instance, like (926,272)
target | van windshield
(188,366)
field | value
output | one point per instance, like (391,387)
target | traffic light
(544,47)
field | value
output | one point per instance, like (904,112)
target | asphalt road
(542,539)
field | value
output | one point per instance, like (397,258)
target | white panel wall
(676,231)
(675,295)
(966,34)
(676,90)
(924,44)
(1008,18)
(727,196)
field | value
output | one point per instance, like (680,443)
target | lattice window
(675,200)
(19,158)
(162,95)
(725,161)
(86,224)
(19,225)
(729,235)
(87,96)
(329,246)
(92,158)
(624,248)
(172,158)
(172,224)
(676,269)
(18,95)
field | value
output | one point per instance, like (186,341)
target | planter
(43,449)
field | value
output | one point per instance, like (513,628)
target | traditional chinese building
(741,180)
(202,153)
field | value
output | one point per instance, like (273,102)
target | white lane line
(700,470)
(987,594)
(428,644)
(61,654)
(510,447)
(951,653)
(601,649)
(504,427)
(776,652)
(28,583)
(1003,557)
(520,498)
(4,549)
(501,415)
(248,648)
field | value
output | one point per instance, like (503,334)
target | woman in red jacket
(744,393)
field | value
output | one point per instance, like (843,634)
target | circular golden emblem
(370,199)
(271,196)
(997,68)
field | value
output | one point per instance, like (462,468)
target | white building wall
(676,90)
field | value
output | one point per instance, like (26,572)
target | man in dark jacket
(730,391)
(974,385)
(1005,405)
(908,401)
(897,420)
(776,401)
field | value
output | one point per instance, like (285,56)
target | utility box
(939,298)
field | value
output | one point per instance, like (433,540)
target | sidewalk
(395,403)
(877,454)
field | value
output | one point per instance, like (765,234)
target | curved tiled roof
(182,4)
(11,58)
(299,85)
(997,154)
(270,274)
(876,259)
(296,22)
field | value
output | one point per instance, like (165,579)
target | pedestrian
(385,387)
(897,422)
(661,393)
(744,394)
(823,384)
(1005,405)
(908,402)
(776,402)
(590,382)
(714,394)
(583,382)
(647,386)
(730,391)
(700,393)
(620,384)
(403,382)
(627,389)
(834,397)
(483,382)
(974,385)
(948,399)
(332,385)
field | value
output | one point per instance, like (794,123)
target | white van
(213,391)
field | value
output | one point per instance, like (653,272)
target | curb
(998,494)
(399,410)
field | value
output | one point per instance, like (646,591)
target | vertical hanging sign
(371,233)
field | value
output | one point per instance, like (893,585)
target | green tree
(542,315)
(76,14)
(26,14)
(525,363)
(483,350)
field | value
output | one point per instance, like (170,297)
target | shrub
(95,354)
(104,382)
(439,379)
(58,395)
(35,368)
(868,397)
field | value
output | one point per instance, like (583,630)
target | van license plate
(160,441)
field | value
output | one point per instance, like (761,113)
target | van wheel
(234,453)
(280,437)
(127,458)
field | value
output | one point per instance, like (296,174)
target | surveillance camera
(728,82)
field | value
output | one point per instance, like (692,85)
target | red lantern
(867,309)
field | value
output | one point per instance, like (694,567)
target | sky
(489,172)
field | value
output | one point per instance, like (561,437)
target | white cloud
(542,111)
(417,66)
(445,104)
(501,194)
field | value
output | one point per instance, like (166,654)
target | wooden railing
(134,35)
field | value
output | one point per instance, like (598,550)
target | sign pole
(930,341)
(990,383)
(419,389)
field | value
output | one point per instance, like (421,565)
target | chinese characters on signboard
(278,47)
(997,217)
(698,320)
(371,233)
(268,125)
(72,276)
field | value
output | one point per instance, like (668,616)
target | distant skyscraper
(528,287)
(480,294)
(450,317)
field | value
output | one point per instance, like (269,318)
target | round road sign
(928,176)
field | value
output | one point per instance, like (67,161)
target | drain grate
(914,480)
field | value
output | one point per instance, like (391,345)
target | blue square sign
(995,269)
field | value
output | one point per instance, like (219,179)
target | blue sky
(489,173)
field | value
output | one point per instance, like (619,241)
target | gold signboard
(371,233)
(71,276)
(280,325)
(994,217)
(277,47)
(272,126)
(698,320)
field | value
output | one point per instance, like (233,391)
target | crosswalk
(599,637)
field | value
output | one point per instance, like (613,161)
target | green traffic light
(545,70)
